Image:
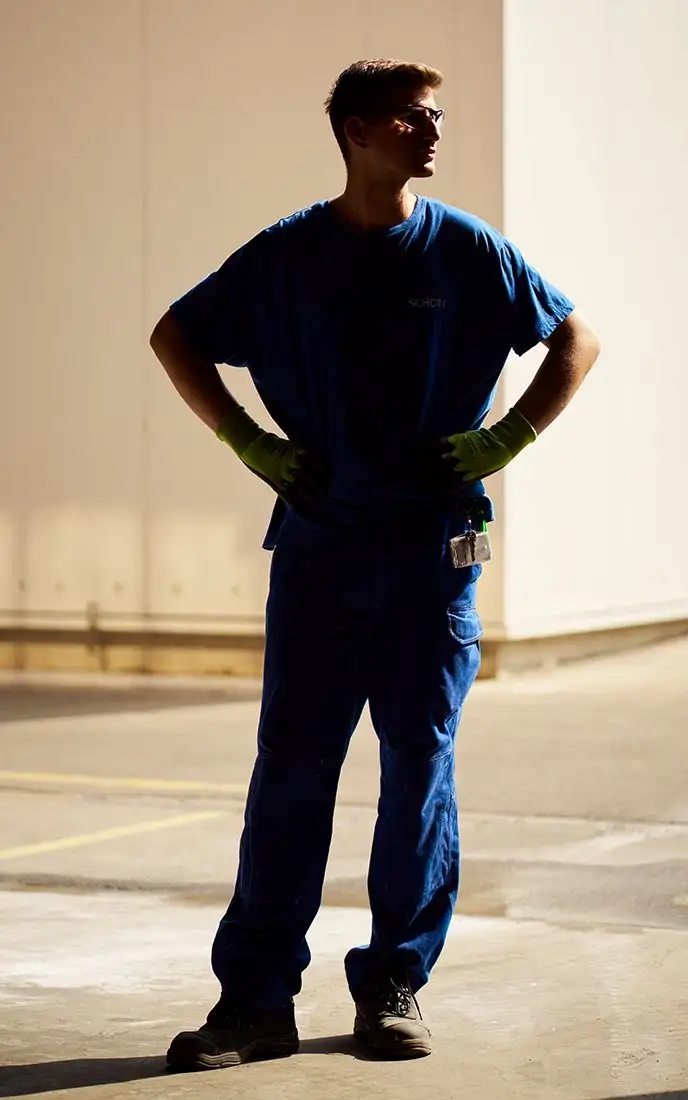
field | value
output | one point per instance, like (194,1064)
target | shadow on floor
(677,1094)
(75,1073)
(333,1044)
(23,702)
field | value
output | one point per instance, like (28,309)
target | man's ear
(355,130)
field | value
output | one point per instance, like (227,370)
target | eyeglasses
(416,115)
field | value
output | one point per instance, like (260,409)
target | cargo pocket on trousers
(465,625)
(462,656)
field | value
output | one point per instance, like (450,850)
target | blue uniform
(366,347)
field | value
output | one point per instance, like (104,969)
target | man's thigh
(427,660)
(316,653)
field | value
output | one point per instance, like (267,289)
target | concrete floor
(566,968)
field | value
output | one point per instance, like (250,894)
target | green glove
(284,466)
(477,454)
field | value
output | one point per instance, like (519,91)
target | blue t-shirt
(368,346)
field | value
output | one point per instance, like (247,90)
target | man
(375,327)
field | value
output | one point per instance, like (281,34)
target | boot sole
(182,1057)
(397,1053)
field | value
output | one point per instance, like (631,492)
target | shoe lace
(396,996)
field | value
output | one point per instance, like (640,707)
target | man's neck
(366,206)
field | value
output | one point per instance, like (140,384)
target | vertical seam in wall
(144,150)
(364,26)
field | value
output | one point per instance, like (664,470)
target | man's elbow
(166,339)
(576,334)
(160,336)
(587,339)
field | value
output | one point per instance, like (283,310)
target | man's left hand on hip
(476,454)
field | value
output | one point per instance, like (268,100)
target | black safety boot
(231,1036)
(388,1021)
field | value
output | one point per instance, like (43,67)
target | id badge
(470,548)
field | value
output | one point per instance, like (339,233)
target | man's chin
(422,172)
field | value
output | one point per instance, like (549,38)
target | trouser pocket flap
(465,625)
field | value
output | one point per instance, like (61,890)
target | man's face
(401,142)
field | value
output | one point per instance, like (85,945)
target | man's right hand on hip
(288,469)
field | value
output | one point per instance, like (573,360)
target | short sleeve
(535,307)
(215,316)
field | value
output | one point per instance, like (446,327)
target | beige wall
(71,354)
(595,186)
(145,140)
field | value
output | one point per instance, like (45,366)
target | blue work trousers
(353,616)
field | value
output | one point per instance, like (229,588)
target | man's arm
(282,465)
(573,349)
(196,380)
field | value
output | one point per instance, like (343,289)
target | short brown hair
(369,86)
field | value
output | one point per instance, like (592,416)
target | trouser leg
(313,696)
(430,662)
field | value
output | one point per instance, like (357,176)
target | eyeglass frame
(435,114)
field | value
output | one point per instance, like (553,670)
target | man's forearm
(197,381)
(278,462)
(572,352)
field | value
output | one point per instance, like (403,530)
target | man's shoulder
(461,225)
(277,239)
(296,224)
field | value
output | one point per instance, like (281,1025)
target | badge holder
(472,548)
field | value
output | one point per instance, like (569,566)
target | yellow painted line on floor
(81,840)
(123,782)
